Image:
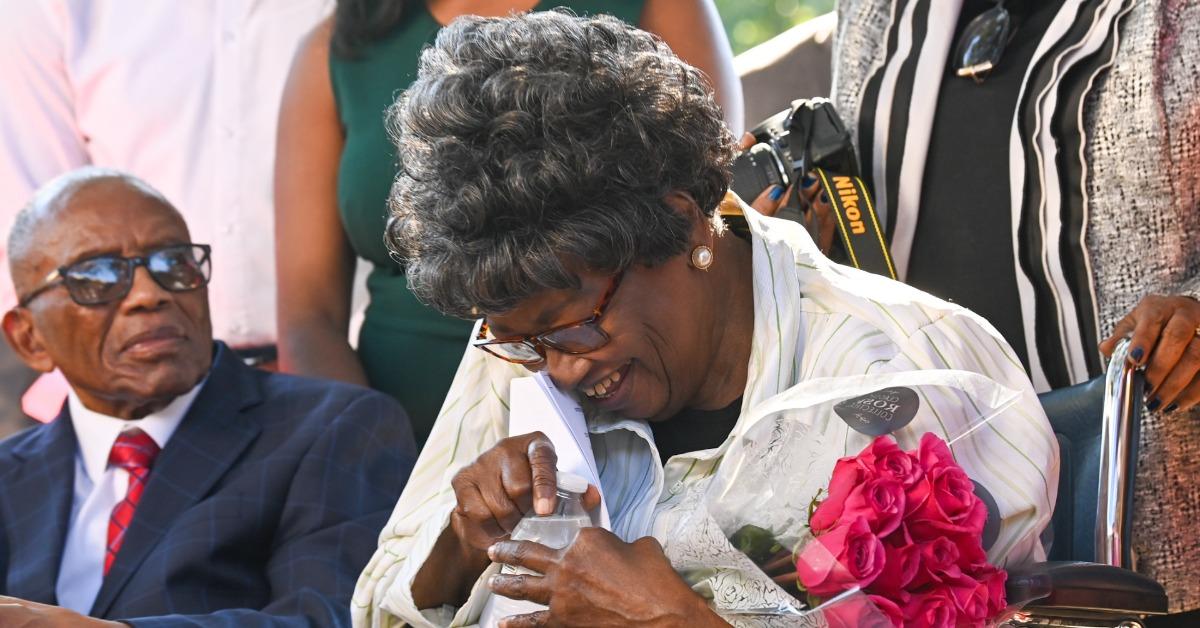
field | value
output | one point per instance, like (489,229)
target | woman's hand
(818,219)
(492,494)
(599,581)
(504,483)
(1165,341)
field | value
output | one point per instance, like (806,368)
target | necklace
(983,42)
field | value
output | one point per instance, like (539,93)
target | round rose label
(880,412)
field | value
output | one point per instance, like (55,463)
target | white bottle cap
(572,483)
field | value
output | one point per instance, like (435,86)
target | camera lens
(758,169)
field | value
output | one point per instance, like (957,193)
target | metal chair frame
(1106,592)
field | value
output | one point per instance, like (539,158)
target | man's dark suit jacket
(261,510)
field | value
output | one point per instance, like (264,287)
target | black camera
(808,135)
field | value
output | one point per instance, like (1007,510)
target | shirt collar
(97,432)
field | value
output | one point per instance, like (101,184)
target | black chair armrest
(1084,587)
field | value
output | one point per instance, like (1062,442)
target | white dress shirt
(98,489)
(182,94)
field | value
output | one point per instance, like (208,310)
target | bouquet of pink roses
(906,528)
(954,479)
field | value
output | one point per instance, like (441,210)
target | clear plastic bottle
(556,530)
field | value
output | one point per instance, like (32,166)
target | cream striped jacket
(813,320)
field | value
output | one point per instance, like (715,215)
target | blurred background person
(184,95)
(1056,195)
(335,166)
(794,64)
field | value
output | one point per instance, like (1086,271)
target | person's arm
(692,28)
(314,261)
(343,491)
(39,137)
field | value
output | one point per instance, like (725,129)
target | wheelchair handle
(1123,388)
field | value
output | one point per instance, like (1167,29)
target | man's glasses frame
(575,338)
(158,262)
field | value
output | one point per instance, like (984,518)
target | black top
(694,430)
(962,247)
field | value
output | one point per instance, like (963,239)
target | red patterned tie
(134,451)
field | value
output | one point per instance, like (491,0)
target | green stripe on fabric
(499,397)
(933,345)
(828,338)
(854,347)
(1045,483)
(462,421)
(778,318)
(887,313)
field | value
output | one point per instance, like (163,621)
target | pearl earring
(702,257)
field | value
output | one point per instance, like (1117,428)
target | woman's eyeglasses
(107,278)
(983,42)
(573,338)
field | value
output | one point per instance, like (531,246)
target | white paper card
(536,405)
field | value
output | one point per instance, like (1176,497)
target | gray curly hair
(536,146)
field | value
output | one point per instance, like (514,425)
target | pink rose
(847,474)
(902,559)
(951,508)
(880,501)
(994,580)
(938,562)
(934,453)
(915,495)
(970,598)
(970,550)
(864,611)
(889,461)
(934,609)
(847,556)
(890,608)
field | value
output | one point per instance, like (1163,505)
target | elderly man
(177,486)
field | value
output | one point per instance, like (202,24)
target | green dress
(407,349)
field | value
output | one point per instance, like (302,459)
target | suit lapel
(209,441)
(36,508)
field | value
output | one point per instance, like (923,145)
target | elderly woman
(561,183)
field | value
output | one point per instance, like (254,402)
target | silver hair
(537,146)
(54,196)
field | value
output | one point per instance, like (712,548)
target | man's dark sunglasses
(107,278)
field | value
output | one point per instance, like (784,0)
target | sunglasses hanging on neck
(982,43)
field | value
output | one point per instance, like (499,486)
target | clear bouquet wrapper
(870,500)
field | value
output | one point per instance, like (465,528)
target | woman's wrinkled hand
(818,218)
(1164,339)
(599,581)
(512,478)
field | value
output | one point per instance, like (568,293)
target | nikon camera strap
(865,245)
